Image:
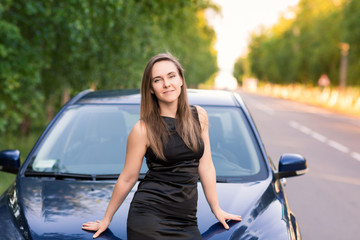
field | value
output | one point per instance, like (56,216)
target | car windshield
(91,139)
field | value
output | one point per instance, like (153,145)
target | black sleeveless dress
(165,203)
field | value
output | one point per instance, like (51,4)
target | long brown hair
(157,131)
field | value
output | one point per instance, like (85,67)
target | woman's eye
(172,76)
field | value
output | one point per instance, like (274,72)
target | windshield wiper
(106,176)
(59,175)
(221,179)
(79,176)
(114,176)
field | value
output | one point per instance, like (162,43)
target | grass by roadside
(22,143)
(346,101)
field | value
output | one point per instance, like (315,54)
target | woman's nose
(166,83)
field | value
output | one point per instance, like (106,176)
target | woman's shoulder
(203,117)
(200,110)
(139,128)
(140,125)
(139,131)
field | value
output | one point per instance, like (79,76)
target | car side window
(233,147)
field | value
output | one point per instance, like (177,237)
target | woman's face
(166,82)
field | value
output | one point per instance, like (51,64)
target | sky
(237,20)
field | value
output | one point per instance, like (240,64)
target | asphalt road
(326,200)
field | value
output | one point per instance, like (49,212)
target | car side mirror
(291,165)
(10,161)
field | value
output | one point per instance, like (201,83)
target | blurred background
(303,50)
(51,50)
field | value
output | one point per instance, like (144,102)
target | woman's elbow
(209,169)
(129,179)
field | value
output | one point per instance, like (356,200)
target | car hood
(55,209)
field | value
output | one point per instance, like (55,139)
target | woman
(174,139)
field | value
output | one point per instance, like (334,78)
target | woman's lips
(169,91)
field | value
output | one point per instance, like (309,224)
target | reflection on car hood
(56,209)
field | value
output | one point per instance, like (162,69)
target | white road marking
(265,108)
(321,138)
(355,155)
(305,130)
(338,146)
(294,124)
(318,137)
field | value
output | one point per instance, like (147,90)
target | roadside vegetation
(344,102)
(316,38)
(51,50)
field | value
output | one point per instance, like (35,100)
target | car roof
(132,96)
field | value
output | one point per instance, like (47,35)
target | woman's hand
(222,216)
(98,226)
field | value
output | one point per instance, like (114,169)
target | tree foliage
(352,37)
(50,47)
(241,69)
(301,49)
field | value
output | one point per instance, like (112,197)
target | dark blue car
(69,175)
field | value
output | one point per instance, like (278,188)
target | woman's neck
(168,110)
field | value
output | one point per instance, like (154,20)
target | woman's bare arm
(208,175)
(137,143)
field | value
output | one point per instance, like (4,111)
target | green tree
(299,50)
(19,77)
(351,36)
(51,49)
(241,69)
